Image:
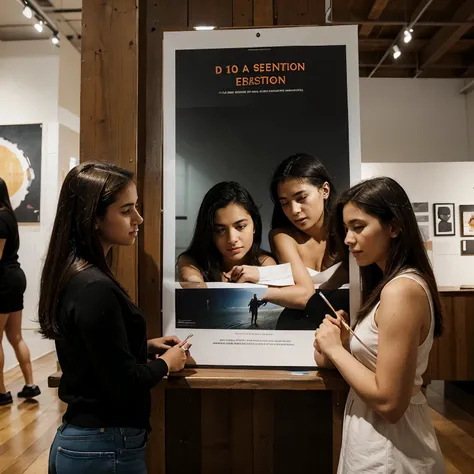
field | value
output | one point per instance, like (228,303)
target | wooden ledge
(247,379)
(455,290)
(253,379)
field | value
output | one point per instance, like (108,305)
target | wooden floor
(27,428)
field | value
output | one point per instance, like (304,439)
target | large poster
(236,104)
(20,167)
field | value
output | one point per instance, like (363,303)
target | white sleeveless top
(368,332)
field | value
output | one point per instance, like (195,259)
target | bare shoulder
(266,260)
(281,235)
(403,302)
(403,289)
(186,261)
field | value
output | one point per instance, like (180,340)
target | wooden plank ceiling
(442,44)
(443,34)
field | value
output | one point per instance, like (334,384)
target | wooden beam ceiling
(447,36)
(375,12)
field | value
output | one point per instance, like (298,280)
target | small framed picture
(466,216)
(443,219)
(419,207)
(467,247)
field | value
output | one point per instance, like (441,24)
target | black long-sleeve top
(106,379)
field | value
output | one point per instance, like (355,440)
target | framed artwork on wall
(20,167)
(419,207)
(466,216)
(467,247)
(444,219)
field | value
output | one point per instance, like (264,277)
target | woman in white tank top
(387,426)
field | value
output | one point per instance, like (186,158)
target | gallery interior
(89,79)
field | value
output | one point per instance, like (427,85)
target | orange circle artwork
(15,170)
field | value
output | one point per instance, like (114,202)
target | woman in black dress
(12,288)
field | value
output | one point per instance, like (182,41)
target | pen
(346,325)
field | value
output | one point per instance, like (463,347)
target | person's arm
(99,321)
(2,247)
(188,271)
(400,318)
(249,273)
(296,296)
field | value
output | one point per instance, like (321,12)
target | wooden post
(109,100)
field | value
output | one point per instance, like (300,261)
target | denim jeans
(77,450)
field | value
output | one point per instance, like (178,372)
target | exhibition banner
(236,103)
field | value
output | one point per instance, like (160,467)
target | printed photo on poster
(444,220)
(466,216)
(249,180)
(20,167)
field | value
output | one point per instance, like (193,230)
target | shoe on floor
(6,398)
(29,391)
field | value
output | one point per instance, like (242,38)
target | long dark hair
(6,205)
(85,195)
(384,199)
(300,166)
(202,248)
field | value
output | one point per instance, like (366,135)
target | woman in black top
(12,288)
(100,334)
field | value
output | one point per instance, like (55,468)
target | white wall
(29,94)
(68,147)
(407,120)
(470,122)
(437,183)
(69,91)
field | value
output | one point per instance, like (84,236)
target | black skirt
(12,289)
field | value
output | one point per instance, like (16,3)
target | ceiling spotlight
(55,40)
(407,35)
(396,52)
(39,27)
(27,12)
(204,28)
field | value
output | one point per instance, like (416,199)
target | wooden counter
(254,379)
(452,356)
(245,421)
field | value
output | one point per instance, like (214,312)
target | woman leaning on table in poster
(228,233)
(387,426)
(100,334)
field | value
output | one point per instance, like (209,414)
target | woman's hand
(344,332)
(160,345)
(328,336)
(175,357)
(243,274)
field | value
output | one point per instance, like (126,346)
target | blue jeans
(77,450)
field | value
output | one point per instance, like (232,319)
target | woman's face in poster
(233,232)
(302,202)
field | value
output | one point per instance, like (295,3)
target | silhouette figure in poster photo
(254,304)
